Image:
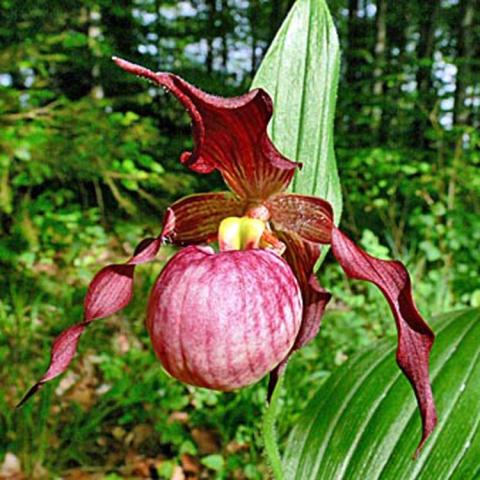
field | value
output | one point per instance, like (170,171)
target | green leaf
(214,462)
(300,71)
(363,423)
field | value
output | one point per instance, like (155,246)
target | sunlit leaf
(364,423)
(300,71)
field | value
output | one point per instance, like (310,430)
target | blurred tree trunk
(279,9)
(253,12)
(395,57)
(465,52)
(380,60)
(351,53)
(94,34)
(353,61)
(275,18)
(119,26)
(210,34)
(429,11)
(224,14)
(158,23)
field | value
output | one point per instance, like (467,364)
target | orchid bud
(224,320)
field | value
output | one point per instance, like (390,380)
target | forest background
(89,162)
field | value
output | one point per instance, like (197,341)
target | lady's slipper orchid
(224,320)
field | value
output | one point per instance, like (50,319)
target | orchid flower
(224,320)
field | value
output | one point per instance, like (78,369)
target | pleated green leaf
(300,72)
(363,423)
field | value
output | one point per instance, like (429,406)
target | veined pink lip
(224,320)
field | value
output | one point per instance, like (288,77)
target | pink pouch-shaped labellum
(415,338)
(223,320)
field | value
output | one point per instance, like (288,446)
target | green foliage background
(89,162)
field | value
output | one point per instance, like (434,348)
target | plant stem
(270,434)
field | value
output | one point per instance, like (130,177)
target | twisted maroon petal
(310,217)
(112,287)
(415,338)
(230,135)
(110,290)
(302,255)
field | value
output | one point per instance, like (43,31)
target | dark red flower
(231,137)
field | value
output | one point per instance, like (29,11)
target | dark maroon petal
(112,287)
(302,255)
(415,338)
(63,350)
(310,217)
(197,217)
(110,290)
(230,135)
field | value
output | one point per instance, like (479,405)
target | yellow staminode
(240,233)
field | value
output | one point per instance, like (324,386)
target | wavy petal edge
(230,135)
(110,290)
(415,338)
